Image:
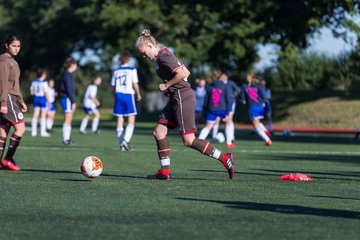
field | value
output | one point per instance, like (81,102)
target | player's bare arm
(181,74)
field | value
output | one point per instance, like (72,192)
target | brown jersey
(166,65)
(9,80)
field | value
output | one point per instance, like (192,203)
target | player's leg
(68,117)
(129,130)
(15,140)
(229,132)
(120,129)
(43,132)
(206,130)
(34,121)
(84,123)
(95,121)
(163,148)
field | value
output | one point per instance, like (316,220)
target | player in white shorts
(125,83)
(39,89)
(91,104)
(51,108)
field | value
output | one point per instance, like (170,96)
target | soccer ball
(220,137)
(91,167)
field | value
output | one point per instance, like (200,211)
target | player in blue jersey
(126,85)
(253,95)
(217,107)
(200,93)
(67,98)
(51,108)
(179,112)
(90,105)
(267,108)
(39,89)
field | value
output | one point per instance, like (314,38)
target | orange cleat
(268,143)
(229,164)
(231,145)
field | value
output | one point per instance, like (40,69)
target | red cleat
(9,165)
(229,164)
(160,175)
(231,145)
(268,143)
(268,133)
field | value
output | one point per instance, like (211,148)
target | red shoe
(9,165)
(268,133)
(162,174)
(229,164)
(231,145)
(268,143)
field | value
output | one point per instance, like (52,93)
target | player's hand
(23,107)
(4,110)
(162,87)
(139,98)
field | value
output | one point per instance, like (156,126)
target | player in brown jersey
(180,111)
(12,103)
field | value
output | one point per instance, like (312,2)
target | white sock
(204,133)
(229,133)
(129,132)
(83,125)
(95,124)
(43,125)
(232,127)
(119,133)
(66,131)
(34,126)
(215,130)
(49,123)
(262,134)
(262,127)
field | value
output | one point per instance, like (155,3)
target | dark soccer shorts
(14,115)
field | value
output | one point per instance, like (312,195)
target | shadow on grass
(310,157)
(282,208)
(335,197)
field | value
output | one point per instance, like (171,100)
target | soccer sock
(262,134)
(229,133)
(262,127)
(34,126)
(83,124)
(270,126)
(164,153)
(49,123)
(129,132)
(14,143)
(215,130)
(66,131)
(206,148)
(43,125)
(119,133)
(2,146)
(204,133)
(95,124)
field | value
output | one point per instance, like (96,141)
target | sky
(322,42)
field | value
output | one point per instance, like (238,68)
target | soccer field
(51,199)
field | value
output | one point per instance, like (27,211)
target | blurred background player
(39,89)
(267,108)
(67,98)
(125,83)
(200,93)
(11,102)
(253,95)
(234,93)
(217,107)
(90,105)
(180,110)
(51,108)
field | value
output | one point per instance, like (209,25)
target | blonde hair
(145,37)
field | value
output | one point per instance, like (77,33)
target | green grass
(50,199)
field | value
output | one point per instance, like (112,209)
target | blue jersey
(253,94)
(200,94)
(67,86)
(235,90)
(218,97)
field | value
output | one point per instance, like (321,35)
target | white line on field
(185,149)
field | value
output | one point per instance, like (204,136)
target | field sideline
(50,199)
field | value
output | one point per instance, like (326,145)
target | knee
(158,134)
(187,142)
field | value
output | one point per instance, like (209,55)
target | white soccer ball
(91,167)
(220,137)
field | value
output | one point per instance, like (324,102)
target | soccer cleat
(268,133)
(68,142)
(231,145)
(229,164)
(83,132)
(45,134)
(9,165)
(124,146)
(95,132)
(268,143)
(160,175)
